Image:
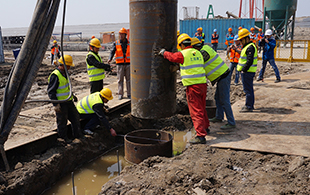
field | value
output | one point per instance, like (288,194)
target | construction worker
(58,89)
(260,36)
(240,27)
(200,35)
(268,43)
(235,51)
(215,40)
(95,66)
(247,65)
(193,77)
(55,52)
(229,41)
(218,73)
(121,49)
(253,36)
(91,108)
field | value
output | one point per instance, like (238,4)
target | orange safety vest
(253,38)
(214,40)
(119,55)
(231,41)
(234,55)
(55,49)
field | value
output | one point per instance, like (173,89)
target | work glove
(75,99)
(105,109)
(57,108)
(161,52)
(113,133)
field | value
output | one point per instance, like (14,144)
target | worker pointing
(95,66)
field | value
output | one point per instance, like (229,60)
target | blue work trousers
(214,46)
(247,81)
(222,100)
(273,65)
(232,66)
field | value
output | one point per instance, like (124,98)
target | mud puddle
(91,177)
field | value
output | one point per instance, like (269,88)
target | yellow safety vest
(192,71)
(85,105)
(94,73)
(214,66)
(63,90)
(243,59)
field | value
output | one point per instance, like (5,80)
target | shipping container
(107,37)
(222,25)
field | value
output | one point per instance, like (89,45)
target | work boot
(88,132)
(198,140)
(246,109)
(260,79)
(277,81)
(227,126)
(215,120)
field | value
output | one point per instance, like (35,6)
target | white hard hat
(268,32)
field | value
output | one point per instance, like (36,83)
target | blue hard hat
(236,38)
(215,30)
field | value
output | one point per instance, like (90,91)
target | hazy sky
(18,13)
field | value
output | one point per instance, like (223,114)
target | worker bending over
(58,89)
(91,108)
(193,77)
(95,66)
(121,49)
(218,73)
(247,65)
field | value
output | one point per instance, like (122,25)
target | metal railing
(292,50)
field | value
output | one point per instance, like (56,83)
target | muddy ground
(199,169)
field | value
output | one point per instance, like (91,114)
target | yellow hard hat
(243,33)
(68,60)
(183,37)
(123,30)
(178,33)
(195,41)
(106,93)
(95,43)
(54,41)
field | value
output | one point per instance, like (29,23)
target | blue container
(222,25)
(16,52)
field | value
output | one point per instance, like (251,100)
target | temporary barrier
(292,50)
(222,25)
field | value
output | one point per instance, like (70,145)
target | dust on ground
(199,169)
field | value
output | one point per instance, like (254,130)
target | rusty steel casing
(136,149)
(153,25)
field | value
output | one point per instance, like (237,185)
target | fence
(292,50)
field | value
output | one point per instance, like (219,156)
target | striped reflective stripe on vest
(216,68)
(87,102)
(192,76)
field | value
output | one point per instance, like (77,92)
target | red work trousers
(196,100)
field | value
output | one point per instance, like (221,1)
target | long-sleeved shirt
(53,85)
(268,53)
(91,60)
(249,56)
(98,108)
(176,57)
(124,49)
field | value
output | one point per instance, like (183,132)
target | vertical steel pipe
(153,25)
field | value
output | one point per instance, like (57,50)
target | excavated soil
(200,169)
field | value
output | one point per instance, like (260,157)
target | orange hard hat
(230,29)
(240,27)
(260,30)
(251,29)
(199,29)
(93,36)
(123,30)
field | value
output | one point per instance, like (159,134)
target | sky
(18,13)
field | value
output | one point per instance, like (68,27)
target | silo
(279,15)
(153,25)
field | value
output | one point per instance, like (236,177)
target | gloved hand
(161,52)
(113,133)
(105,109)
(57,108)
(75,99)
(107,67)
